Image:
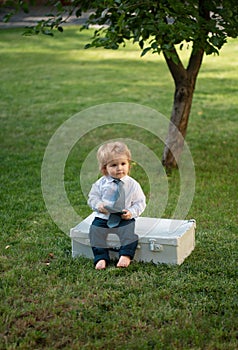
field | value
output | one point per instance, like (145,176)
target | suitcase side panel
(186,244)
(167,256)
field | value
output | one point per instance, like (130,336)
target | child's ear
(104,170)
(129,167)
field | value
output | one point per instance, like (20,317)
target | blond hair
(109,151)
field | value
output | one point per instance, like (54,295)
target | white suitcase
(166,241)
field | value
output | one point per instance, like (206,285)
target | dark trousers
(98,238)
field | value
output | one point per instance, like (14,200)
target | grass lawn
(48,299)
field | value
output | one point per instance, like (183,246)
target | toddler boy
(117,200)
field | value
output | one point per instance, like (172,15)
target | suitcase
(166,241)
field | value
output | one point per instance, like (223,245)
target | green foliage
(51,301)
(14,7)
(205,24)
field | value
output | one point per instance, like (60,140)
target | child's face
(118,168)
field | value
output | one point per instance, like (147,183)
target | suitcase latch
(155,247)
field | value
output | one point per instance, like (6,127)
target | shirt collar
(111,179)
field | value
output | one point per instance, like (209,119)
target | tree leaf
(144,52)
(141,43)
(47,32)
(78,13)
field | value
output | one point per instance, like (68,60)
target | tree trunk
(185,80)
(178,124)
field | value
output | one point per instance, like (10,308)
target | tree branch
(175,65)
(195,62)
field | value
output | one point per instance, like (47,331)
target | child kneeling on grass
(117,200)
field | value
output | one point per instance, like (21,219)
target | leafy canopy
(159,25)
(155,25)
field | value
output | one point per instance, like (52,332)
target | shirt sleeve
(138,201)
(94,197)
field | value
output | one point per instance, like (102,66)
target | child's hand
(101,209)
(127,215)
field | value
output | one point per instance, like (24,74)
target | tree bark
(185,80)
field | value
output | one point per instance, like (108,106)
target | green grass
(48,299)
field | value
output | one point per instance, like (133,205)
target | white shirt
(104,191)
